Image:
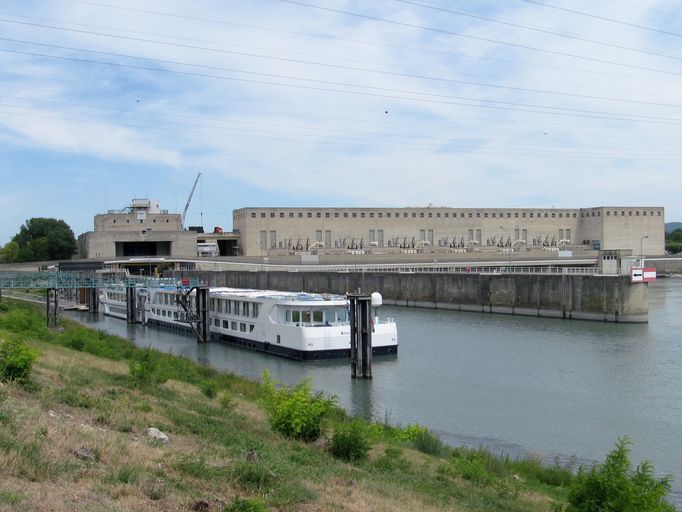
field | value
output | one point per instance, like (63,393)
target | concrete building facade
(141,229)
(271,231)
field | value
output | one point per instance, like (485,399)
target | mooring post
(93,302)
(203,314)
(360,336)
(131,310)
(50,300)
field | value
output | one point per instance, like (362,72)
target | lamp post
(641,250)
(510,248)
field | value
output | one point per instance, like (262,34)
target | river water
(519,385)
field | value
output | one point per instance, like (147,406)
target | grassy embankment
(82,394)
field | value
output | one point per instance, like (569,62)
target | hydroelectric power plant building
(144,229)
(272,231)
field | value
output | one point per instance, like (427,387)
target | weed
(350,442)
(226,400)
(209,388)
(253,475)
(392,460)
(74,398)
(289,494)
(11,498)
(248,505)
(125,475)
(197,467)
(147,368)
(427,442)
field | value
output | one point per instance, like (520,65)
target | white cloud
(300,141)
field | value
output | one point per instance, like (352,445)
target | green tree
(614,487)
(41,239)
(673,241)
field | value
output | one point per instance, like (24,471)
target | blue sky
(520,103)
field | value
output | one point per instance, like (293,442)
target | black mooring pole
(360,336)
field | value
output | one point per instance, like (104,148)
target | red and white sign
(643,275)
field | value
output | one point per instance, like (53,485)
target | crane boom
(189,200)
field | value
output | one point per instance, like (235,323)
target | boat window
(216,322)
(317,317)
(233,326)
(220,306)
(175,315)
(330,316)
(226,324)
(251,327)
(242,327)
(245,309)
(254,310)
(287,316)
(296,316)
(341,315)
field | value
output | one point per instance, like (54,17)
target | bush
(615,487)
(409,433)
(295,412)
(350,442)
(16,360)
(147,369)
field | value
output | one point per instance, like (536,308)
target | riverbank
(74,438)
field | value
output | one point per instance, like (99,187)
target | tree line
(40,239)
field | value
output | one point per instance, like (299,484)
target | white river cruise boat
(296,325)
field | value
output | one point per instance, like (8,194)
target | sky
(337,103)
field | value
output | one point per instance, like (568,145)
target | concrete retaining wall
(603,298)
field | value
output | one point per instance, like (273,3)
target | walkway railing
(418,268)
(74,280)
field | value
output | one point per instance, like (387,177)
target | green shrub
(147,369)
(295,412)
(249,505)
(253,475)
(409,433)
(613,486)
(350,442)
(16,360)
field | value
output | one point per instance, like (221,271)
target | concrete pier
(609,298)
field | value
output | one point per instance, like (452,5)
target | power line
(320,64)
(477,38)
(603,18)
(429,97)
(330,141)
(336,38)
(538,29)
(496,128)
(205,122)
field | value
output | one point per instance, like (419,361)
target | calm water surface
(517,385)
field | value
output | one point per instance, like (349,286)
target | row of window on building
(421,215)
